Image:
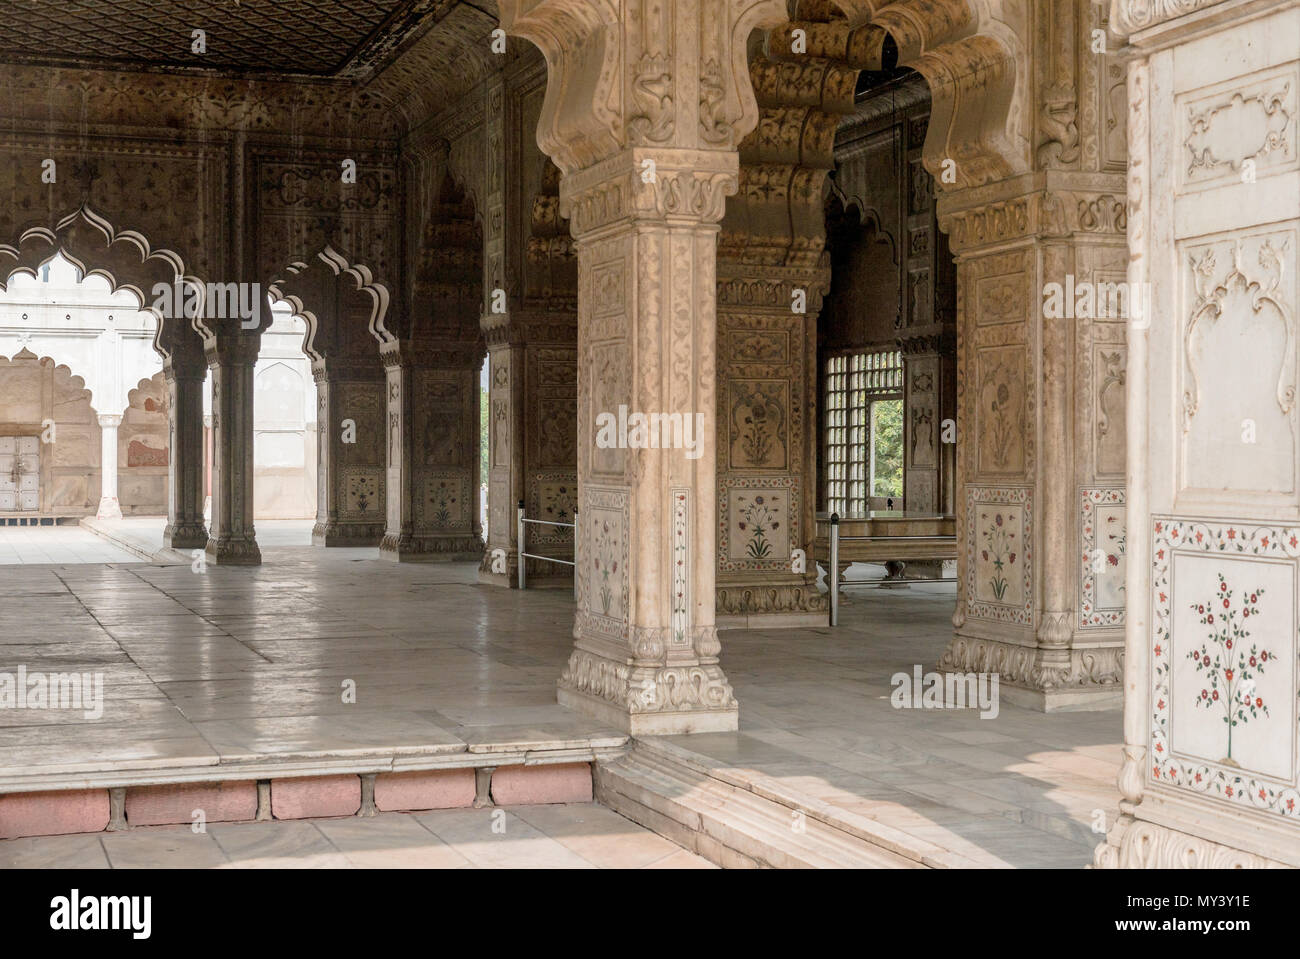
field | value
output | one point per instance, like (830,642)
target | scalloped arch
(124,258)
(303,283)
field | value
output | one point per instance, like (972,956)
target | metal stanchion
(519,522)
(575,554)
(834,573)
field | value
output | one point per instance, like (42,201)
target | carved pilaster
(431,432)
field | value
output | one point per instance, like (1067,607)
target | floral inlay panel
(554,498)
(1224,655)
(603,560)
(1001,410)
(999,554)
(363,493)
(758,424)
(757,522)
(1104,541)
(446,500)
(681,559)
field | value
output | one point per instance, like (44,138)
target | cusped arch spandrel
(345,308)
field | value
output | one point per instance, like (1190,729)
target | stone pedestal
(186,471)
(109,508)
(1210,776)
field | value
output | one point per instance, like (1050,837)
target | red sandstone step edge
(65,812)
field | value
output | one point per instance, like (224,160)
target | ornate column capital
(650,184)
(627,73)
(1130,16)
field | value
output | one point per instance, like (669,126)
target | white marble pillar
(109,508)
(1210,775)
(644,183)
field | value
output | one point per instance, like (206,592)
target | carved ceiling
(321,38)
(327,67)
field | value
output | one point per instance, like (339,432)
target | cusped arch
(345,308)
(123,258)
(74,381)
(971,54)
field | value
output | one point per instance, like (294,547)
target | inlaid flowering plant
(606,543)
(1228,663)
(1000,541)
(758,518)
(442,498)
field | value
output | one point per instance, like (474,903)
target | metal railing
(521,523)
(833,573)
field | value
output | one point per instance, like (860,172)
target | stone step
(665,790)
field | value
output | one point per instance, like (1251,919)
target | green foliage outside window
(887,448)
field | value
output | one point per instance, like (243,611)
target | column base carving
(649,700)
(423,548)
(1092,678)
(347,534)
(1136,844)
(185,536)
(109,508)
(762,605)
(234,552)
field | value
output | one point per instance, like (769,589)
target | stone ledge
(534,785)
(53,814)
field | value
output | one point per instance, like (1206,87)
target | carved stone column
(1041,314)
(231,361)
(766,435)
(109,508)
(532,400)
(186,471)
(1038,491)
(642,118)
(1209,777)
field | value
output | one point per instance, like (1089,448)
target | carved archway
(124,258)
(340,301)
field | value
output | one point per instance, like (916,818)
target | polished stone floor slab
(333,653)
(57,544)
(1024,789)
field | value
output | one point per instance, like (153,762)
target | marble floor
(1024,789)
(59,545)
(321,656)
(563,836)
(234,665)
